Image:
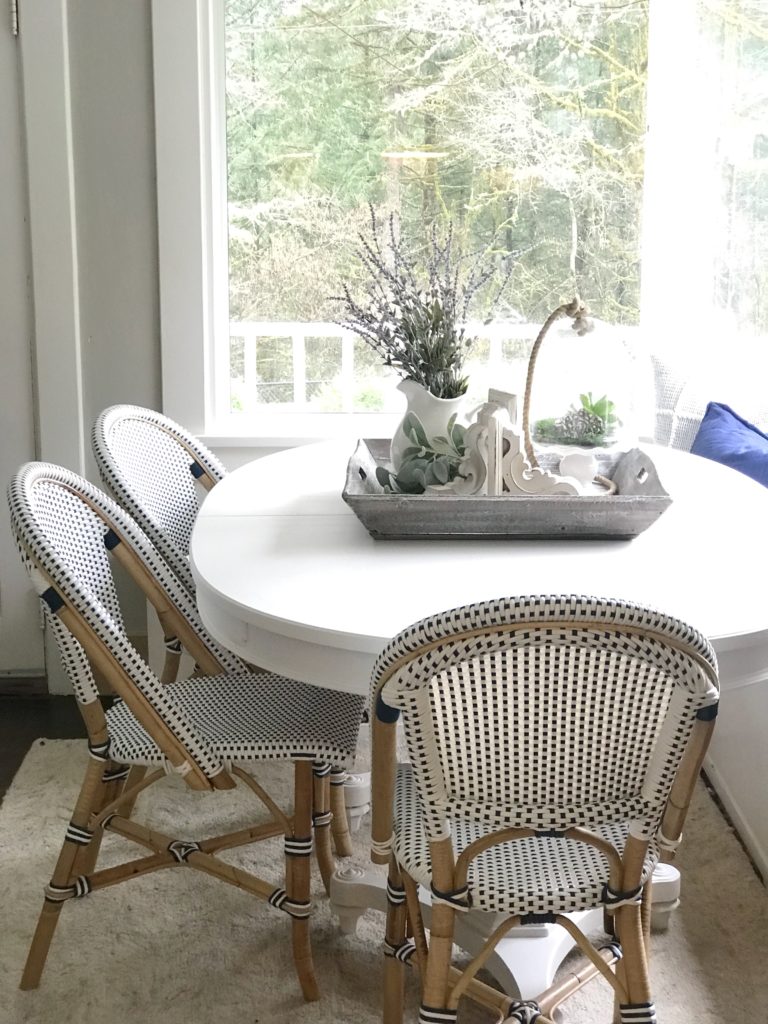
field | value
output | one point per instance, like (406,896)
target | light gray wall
(114,157)
(114,171)
(112,100)
(21,646)
(113,174)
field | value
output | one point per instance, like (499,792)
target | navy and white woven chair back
(57,532)
(151,465)
(65,527)
(546,712)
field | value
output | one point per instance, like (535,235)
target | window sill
(292,429)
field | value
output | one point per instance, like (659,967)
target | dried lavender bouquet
(416,319)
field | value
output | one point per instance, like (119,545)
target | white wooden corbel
(494,460)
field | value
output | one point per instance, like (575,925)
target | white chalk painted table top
(289,578)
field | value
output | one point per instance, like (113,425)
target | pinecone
(580,425)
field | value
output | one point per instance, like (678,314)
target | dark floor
(25,719)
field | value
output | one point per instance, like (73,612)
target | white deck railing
(250,332)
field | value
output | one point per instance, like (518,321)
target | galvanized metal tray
(639,501)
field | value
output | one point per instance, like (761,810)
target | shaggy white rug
(179,948)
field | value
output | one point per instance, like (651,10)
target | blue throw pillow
(725,437)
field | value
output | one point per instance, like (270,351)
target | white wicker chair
(159,472)
(545,736)
(682,394)
(208,729)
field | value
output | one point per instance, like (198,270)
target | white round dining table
(289,578)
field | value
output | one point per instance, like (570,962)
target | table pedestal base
(523,963)
(357,798)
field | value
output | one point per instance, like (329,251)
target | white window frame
(189,225)
(192,238)
(189,117)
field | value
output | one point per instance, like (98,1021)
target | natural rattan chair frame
(66,530)
(490,650)
(158,471)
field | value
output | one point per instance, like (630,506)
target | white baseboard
(745,832)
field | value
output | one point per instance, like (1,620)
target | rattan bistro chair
(158,471)
(554,744)
(212,729)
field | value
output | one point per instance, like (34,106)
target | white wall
(112,99)
(114,171)
(21,647)
(83,148)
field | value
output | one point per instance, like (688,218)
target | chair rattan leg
(619,971)
(639,1006)
(435,987)
(632,922)
(342,841)
(437,974)
(647,906)
(64,872)
(298,881)
(394,966)
(415,921)
(41,942)
(321,819)
(112,784)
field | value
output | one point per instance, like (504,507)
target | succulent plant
(589,424)
(580,425)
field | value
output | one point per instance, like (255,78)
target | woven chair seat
(524,876)
(250,717)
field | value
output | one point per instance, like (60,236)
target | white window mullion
(347,371)
(679,188)
(187,34)
(53,233)
(298,342)
(250,369)
(213,102)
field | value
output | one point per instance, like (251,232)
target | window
(521,124)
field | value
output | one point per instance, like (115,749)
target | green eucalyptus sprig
(416,322)
(426,460)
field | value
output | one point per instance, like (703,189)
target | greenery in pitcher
(416,308)
(590,424)
(427,461)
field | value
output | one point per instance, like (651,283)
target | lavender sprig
(417,328)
